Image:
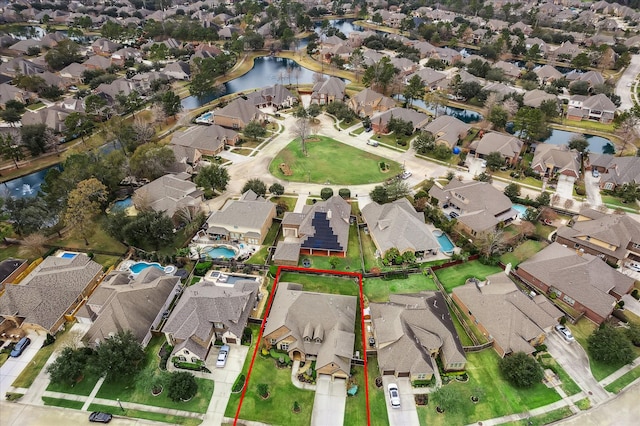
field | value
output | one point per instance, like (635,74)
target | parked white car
(222,356)
(565,333)
(394,395)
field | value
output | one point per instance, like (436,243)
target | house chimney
(329,214)
(507,270)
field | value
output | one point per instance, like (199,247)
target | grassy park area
(457,275)
(330,161)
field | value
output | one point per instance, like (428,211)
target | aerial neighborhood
(319,212)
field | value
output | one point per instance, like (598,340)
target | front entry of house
(297,356)
(231,340)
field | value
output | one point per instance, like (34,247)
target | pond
(266,71)
(25,186)
(345,26)
(465,115)
(597,144)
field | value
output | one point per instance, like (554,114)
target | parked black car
(99,417)
(20,347)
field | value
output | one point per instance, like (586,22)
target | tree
(530,123)
(498,116)
(182,386)
(256,185)
(68,368)
(379,75)
(633,333)
(63,54)
(396,189)
(414,89)
(301,130)
(34,138)
(581,61)
(610,345)
(151,161)
(579,87)
(494,161)
(11,150)
(521,370)
(149,229)
(326,193)
(171,103)
(424,143)
(254,130)
(543,199)
(213,177)
(491,243)
(276,189)
(549,108)
(77,124)
(83,204)
(379,195)
(629,192)
(447,399)
(10,115)
(33,245)
(119,356)
(579,143)
(314,110)
(512,191)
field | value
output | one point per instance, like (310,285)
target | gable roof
(510,317)
(240,108)
(583,277)
(558,156)
(275,95)
(600,102)
(46,294)
(168,193)
(398,225)
(324,225)
(333,86)
(418,119)
(249,213)
(448,128)
(203,138)
(619,170)
(507,145)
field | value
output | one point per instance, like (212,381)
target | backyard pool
(67,254)
(138,267)
(122,204)
(220,252)
(205,118)
(445,243)
(520,209)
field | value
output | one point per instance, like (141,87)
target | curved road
(623,89)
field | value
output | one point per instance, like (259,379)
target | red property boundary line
(266,315)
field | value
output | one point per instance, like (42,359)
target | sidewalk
(621,372)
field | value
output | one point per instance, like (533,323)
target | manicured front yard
(568,385)
(523,252)
(83,387)
(616,203)
(457,275)
(158,417)
(356,406)
(64,403)
(330,161)
(497,397)
(379,289)
(622,382)
(543,419)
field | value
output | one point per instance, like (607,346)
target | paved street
(329,401)
(573,358)
(622,88)
(406,414)
(14,366)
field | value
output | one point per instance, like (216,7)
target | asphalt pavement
(623,88)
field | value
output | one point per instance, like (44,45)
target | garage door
(388,373)
(231,340)
(403,374)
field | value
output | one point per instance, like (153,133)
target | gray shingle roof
(240,108)
(557,156)
(167,193)
(336,211)
(204,138)
(619,170)
(287,252)
(46,294)
(243,215)
(447,128)
(507,145)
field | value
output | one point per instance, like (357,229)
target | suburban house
(237,114)
(431,78)
(508,146)
(504,314)
(535,98)
(327,91)
(510,70)
(276,96)
(322,229)
(169,194)
(411,331)
(13,93)
(207,312)
(582,281)
(598,107)
(124,302)
(245,220)
(614,238)
(50,294)
(197,141)
(10,269)
(550,160)
(313,326)
(368,102)
(380,120)
(399,225)
(478,205)
(178,70)
(615,171)
(73,72)
(447,129)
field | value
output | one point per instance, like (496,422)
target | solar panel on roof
(323,238)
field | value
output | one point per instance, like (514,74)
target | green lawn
(137,389)
(379,289)
(457,275)
(158,417)
(64,403)
(356,406)
(394,140)
(11,250)
(583,404)
(4,356)
(84,387)
(622,382)
(277,409)
(106,260)
(322,284)
(543,230)
(497,397)
(568,385)
(289,201)
(349,263)
(523,252)
(543,419)
(100,240)
(615,203)
(523,180)
(377,403)
(331,161)
(462,333)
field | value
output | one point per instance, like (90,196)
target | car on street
(20,347)
(394,395)
(372,142)
(565,333)
(405,175)
(629,84)
(595,173)
(453,215)
(99,417)
(222,356)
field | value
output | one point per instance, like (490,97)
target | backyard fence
(478,348)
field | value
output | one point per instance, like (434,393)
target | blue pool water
(122,204)
(445,243)
(220,252)
(68,255)
(520,208)
(138,267)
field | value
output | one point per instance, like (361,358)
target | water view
(345,26)
(25,186)
(465,115)
(597,144)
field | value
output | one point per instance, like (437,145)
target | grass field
(583,404)
(64,403)
(356,406)
(523,252)
(379,289)
(84,387)
(377,403)
(457,275)
(322,284)
(289,201)
(100,240)
(623,381)
(543,419)
(497,396)
(349,263)
(328,160)
(146,415)
(615,203)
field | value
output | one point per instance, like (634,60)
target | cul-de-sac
(316,212)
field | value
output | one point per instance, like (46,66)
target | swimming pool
(205,118)
(122,204)
(67,255)
(445,243)
(219,252)
(520,209)
(138,267)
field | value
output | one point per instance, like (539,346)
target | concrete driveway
(224,379)
(573,358)
(406,414)
(14,366)
(329,402)
(593,189)
(565,187)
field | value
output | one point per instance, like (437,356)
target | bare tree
(511,106)
(492,243)
(144,130)
(33,245)
(158,114)
(492,100)
(301,130)
(555,199)
(318,77)
(568,204)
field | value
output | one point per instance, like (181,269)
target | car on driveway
(99,417)
(394,395)
(565,333)
(20,347)
(222,356)
(453,215)
(405,175)
(595,173)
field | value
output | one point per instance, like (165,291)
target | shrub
(635,294)
(263,390)
(326,193)
(238,384)
(344,193)
(521,370)
(202,268)
(610,345)
(182,386)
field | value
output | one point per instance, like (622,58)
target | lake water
(25,186)
(345,26)
(597,144)
(465,115)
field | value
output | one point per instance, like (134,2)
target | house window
(569,300)
(218,325)
(272,341)
(194,359)
(576,245)
(284,346)
(636,246)
(421,376)
(588,238)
